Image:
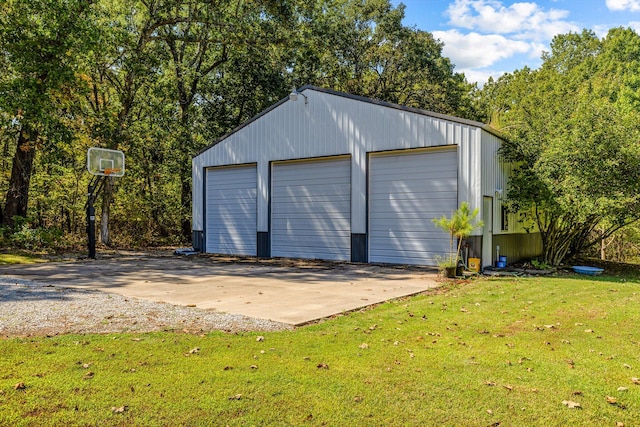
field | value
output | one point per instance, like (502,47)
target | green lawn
(502,352)
(17,258)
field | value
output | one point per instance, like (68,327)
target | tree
(39,40)
(361,47)
(574,142)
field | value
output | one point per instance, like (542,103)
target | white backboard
(105,162)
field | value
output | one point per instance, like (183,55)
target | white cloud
(526,19)
(624,5)
(481,77)
(602,30)
(476,50)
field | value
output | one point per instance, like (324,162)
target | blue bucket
(503,259)
(501,264)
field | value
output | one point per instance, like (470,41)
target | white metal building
(341,177)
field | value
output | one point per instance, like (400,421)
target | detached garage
(327,175)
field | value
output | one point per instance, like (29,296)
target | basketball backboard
(105,162)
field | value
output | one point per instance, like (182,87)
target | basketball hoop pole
(93,190)
(91,223)
(103,164)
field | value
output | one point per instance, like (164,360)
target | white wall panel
(331,125)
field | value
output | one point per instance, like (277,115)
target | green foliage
(572,131)
(460,226)
(477,354)
(21,236)
(162,80)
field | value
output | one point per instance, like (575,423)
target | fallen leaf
(88,375)
(589,331)
(227,368)
(635,380)
(508,387)
(194,350)
(612,400)
(577,393)
(19,386)
(571,405)
(86,365)
(489,411)
(490,383)
(236,397)
(357,399)
(619,424)
(119,410)
(260,338)
(253,367)
(627,366)
(550,326)
(323,366)
(364,345)
(622,389)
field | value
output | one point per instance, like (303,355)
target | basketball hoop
(101,162)
(105,162)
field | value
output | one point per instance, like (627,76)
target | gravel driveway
(28,308)
(141,292)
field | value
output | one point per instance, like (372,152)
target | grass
(502,352)
(19,258)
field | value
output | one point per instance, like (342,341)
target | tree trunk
(107,197)
(17,197)
(185,201)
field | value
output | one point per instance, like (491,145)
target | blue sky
(490,37)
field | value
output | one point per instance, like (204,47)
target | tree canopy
(573,128)
(161,79)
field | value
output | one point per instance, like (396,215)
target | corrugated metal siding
(311,209)
(333,125)
(406,191)
(231,210)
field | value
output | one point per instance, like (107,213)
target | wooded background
(160,80)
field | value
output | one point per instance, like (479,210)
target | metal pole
(91,223)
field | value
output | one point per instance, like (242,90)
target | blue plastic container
(501,264)
(589,271)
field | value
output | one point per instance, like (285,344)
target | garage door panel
(426,185)
(231,215)
(311,209)
(406,191)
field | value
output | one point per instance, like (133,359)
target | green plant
(460,226)
(540,265)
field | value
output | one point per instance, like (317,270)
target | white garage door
(311,209)
(231,210)
(406,191)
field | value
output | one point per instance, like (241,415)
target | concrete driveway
(288,291)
